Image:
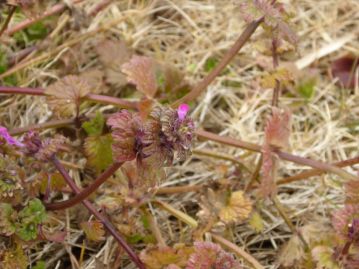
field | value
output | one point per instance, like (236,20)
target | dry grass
(187,33)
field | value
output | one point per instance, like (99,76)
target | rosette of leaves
(23,223)
(276,18)
(172,131)
(66,95)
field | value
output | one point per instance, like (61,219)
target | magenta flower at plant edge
(4,133)
(182,111)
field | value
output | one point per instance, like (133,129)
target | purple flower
(182,111)
(8,138)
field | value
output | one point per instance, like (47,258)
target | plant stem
(239,251)
(276,90)
(230,54)
(110,228)
(180,189)
(12,10)
(42,126)
(255,175)
(283,155)
(217,155)
(207,135)
(316,172)
(82,195)
(154,228)
(90,97)
(26,23)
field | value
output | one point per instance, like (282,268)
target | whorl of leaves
(276,18)
(65,96)
(210,255)
(175,133)
(155,139)
(127,133)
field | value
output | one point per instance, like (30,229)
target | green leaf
(95,125)
(256,222)
(40,265)
(29,218)
(210,64)
(98,150)
(306,88)
(7,218)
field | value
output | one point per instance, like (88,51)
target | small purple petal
(182,111)
(9,139)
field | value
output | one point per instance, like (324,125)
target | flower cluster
(156,139)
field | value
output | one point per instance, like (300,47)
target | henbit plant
(131,149)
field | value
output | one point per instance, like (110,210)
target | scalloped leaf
(30,217)
(8,218)
(276,18)
(277,129)
(256,222)
(94,230)
(95,125)
(282,75)
(14,259)
(141,71)
(65,95)
(56,180)
(162,257)
(98,149)
(324,256)
(237,209)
